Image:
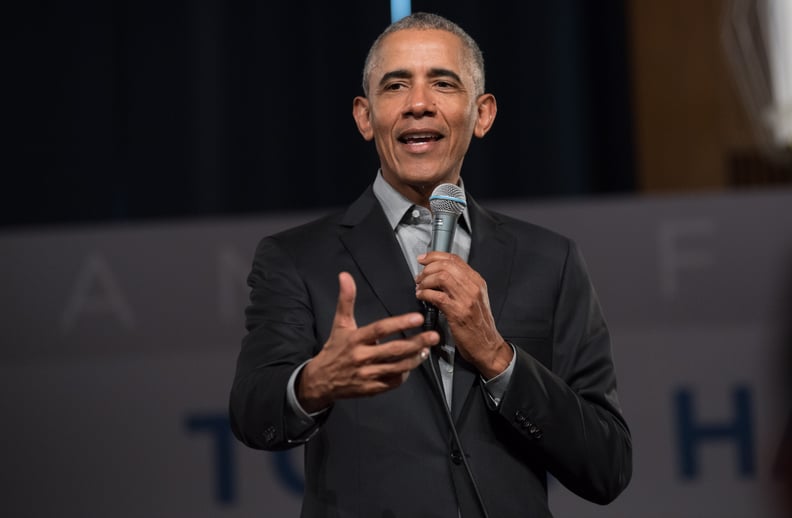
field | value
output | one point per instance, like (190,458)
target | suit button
(519,417)
(269,434)
(456,456)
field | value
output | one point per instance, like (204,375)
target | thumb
(345,310)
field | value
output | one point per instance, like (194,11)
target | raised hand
(353,363)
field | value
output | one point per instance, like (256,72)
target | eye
(393,87)
(444,84)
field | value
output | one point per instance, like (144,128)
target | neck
(418,193)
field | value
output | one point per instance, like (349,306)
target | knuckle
(380,328)
(402,348)
(396,349)
(358,356)
(355,337)
(375,328)
(367,372)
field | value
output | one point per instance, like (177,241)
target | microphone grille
(447,197)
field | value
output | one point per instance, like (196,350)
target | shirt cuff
(300,424)
(496,386)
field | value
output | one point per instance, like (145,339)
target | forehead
(410,49)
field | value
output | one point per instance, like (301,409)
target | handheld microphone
(446,203)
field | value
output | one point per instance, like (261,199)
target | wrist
(500,360)
(308,391)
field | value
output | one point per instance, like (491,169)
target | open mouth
(419,138)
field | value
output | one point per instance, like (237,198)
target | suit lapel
(370,241)
(491,254)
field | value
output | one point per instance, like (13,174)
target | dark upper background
(127,109)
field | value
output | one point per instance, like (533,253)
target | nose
(420,102)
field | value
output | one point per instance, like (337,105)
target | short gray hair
(425,22)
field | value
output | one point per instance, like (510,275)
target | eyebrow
(433,73)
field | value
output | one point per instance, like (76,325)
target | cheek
(381,131)
(465,120)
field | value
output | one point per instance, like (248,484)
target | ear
(361,112)
(487,109)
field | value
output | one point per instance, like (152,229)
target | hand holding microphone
(447,203)
(449,284)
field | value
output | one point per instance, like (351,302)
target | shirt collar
(396,205)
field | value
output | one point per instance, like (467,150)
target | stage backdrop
(119,344)
(130,109)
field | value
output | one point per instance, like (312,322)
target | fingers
(345,308)
(447,280)
(394,371)
(391,363)
(397,350)
(442,269)
(434,256)
(366,370)
(387,326)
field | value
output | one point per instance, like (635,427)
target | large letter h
(690,435)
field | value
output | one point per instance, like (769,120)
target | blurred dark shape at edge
(782,466)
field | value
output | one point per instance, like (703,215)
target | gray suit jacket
(393,455)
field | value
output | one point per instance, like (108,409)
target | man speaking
(465,415)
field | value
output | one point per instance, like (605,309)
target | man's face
(422,110)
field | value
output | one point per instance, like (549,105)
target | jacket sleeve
(570,414)
(280,337)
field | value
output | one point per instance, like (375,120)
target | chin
(426,176)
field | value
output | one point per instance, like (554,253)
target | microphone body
(443,229)
(446,203)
